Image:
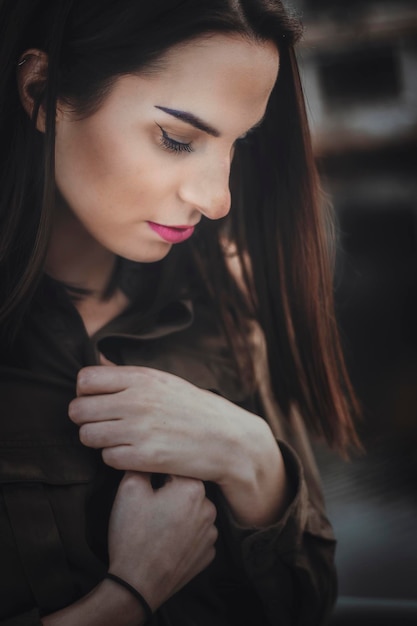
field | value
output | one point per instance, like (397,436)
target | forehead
(218,55)
(227,69)
(225,80)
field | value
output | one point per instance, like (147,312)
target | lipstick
(172,234)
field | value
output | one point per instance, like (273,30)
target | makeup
(172,234)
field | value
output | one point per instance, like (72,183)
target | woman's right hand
(160,539)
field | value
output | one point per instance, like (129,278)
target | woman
(155,484)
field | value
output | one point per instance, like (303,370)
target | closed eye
(172,145)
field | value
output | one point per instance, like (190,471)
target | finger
(119,457)
(136,482)
(96,379)
(102,435)
(126,456)
(95,408)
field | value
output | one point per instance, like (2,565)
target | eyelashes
(172,145)
(178,147)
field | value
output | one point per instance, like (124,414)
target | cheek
(98,172)
(86,161)
(93,179)
(112,166)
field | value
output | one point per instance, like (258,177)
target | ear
(31,78)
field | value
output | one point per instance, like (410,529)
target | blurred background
(359,69)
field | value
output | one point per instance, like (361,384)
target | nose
(206,188)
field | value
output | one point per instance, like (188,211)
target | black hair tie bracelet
(147,609)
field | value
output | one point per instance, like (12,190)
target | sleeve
(291,564)
(30,618)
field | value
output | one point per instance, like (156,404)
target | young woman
(167,330)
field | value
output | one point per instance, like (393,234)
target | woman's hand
(158,541)
(152,421)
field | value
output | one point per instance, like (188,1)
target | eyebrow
(191,119)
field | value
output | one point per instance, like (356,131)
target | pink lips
(172,234)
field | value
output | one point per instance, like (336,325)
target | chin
(154,254)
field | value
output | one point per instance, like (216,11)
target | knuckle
(211,511)
(81,409)
(114,458)
(214,534)
(74,410)
(84,377)
(130,479)
(196,489)
(89,377)
(85,434)
(150,455)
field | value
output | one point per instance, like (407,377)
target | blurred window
(361,76)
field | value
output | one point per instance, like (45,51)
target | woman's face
(141,172)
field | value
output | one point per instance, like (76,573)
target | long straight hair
(277,222)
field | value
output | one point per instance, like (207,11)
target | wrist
(255,484)
(133,591)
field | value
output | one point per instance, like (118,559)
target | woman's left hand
(152,421)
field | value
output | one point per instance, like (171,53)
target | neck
(75,258)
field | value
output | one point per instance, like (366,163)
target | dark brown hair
(277,222)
